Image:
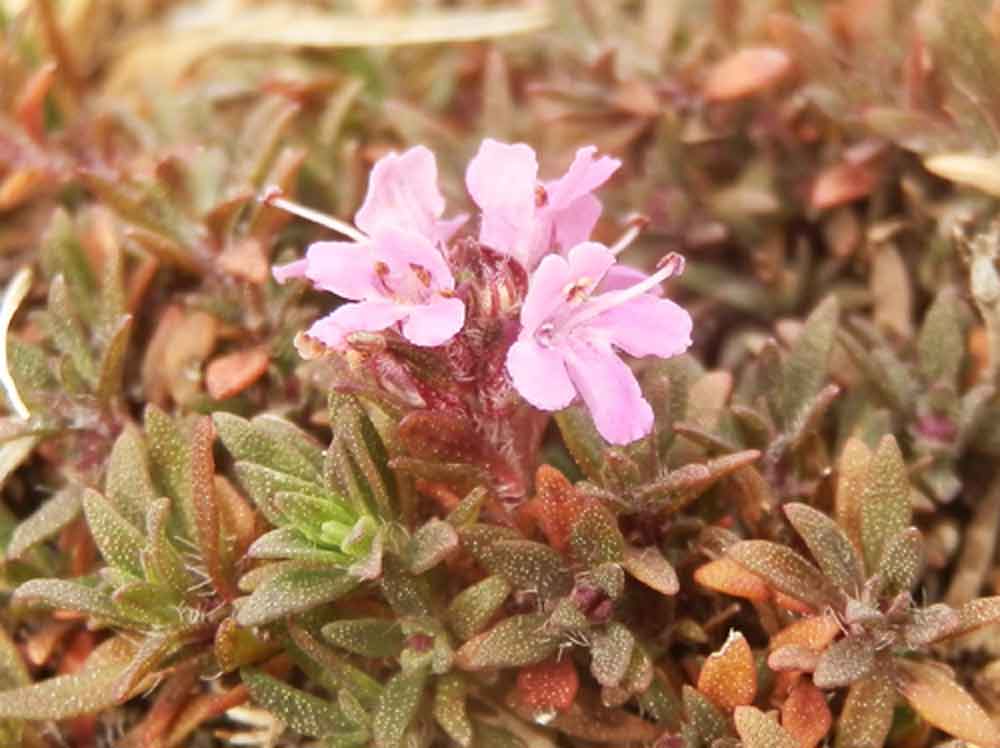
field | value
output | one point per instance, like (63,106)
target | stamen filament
(636,225)
(272,196)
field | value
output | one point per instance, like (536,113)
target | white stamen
(272,196)
(636,224)
(671,265)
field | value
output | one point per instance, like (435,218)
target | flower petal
(365,316)
(575,223)
(401,249)
(610,390)
(501,179)
(434,323)
(540,375)
(546,293)
(297,269)
(646,326)
(584,175)
(403,192)
(590,261)
(344,268)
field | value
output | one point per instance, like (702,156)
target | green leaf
(128,484)
(828,544)
(531,566)
(170,465)
(293,591)
(327,667)
(867,714)
(805,370)
(595,538)
(474,607)
(162,563)
(450,710)
(64,595)
(359,462)
(397,706)
(302,712)
(51,517)
(885,501)
(582,440)
(278,446)
(431,544)
(902,562)
(941,344)
(64,329)
(758,730)
(515,641)
(369,637)
(704,717)
(111,368)
(119,542)
(611,653)
(785,570)
(87,691)
(287,542)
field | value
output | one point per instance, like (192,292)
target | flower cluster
(581,310)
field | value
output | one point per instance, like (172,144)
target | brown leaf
(747,72)
(729,676)
(814,633)
(867,714)
(758,730)
(805,715)
(230,374)
(944,703)
(728,577)
(843,183)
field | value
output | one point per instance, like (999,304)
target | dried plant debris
(500,373)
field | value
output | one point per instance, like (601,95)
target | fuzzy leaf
(431,544)
(450,710)
(730,578)
(729,676)
(611,653)
(65,595)
(931,624)
(940,347)
(514,641)
(650,567)
(844,662)
(975,614)
(51,517)
(475,606)
(852,470)
(867,714)
(162,563)
(397,706)
(272,442)
(902,562)
(369,637)
(287,542)
(757,730)
(595,538)
(785,570)
(120,543)
(293,592)
(885,501)
(170,458)
(87,691)
(945,704)
(805,715)
(301,711)
(128,485)
(111,368)
(704,716)
(830,547)
(805,370)
(530,565)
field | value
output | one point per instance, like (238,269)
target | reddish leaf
(549,685)
(805,715)
(729,676)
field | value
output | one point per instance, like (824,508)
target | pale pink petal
(434,323)
(546,293)
(295,269)
(589,262)
(610,391)
(444,230)
(585,175)
(401,249)
(646,326)
(620,277)
(501,179)
(539,374)
(403,192)
(365,316)
(575,223)
(344,268)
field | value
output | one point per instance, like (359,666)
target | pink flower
(525,218)
(569,336)
(394,268)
